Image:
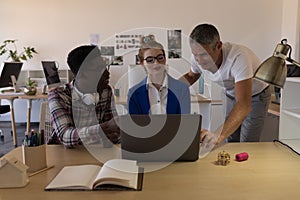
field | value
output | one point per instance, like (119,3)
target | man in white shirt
(231,66)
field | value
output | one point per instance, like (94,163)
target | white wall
(55,27)
(290,25)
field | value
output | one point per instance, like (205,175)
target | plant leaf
(9,41)
(3,52)
(13,54)
(23,57)
(2,46)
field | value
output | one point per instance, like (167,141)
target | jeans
(251,127)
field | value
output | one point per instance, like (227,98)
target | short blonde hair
(149,42)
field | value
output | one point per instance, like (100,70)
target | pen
(33,138)
(39,139)
(42,170)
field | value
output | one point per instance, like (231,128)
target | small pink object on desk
(241,156)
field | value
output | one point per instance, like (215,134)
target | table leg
(13,123)
(29,103)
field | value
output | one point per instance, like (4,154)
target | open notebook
(116,174)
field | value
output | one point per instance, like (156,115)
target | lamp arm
(293,61)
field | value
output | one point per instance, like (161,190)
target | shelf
(294,144)
(293,79)
(65,76)
(37,78)
(292,112)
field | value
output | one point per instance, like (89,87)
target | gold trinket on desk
(223,158)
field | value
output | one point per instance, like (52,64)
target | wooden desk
(271,172)
(11,97)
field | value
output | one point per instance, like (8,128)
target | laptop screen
(158,138)
(10,68)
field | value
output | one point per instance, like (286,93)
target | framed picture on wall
(107,50)
(137,60)
(174,44)
(108,53)
(117,60)
(125,43)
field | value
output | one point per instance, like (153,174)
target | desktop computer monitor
(10,69)
(51,72)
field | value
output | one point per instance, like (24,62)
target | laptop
(10,69)
(51,72)
(160,138)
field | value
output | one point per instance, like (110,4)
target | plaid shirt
(73,121)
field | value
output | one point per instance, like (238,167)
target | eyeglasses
(151,59)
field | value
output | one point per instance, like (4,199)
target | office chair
(3,109)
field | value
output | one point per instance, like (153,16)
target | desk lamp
(274,70)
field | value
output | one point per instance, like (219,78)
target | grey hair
(205,34)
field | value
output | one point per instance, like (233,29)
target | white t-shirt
(239,63)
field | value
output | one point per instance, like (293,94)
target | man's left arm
(243,96)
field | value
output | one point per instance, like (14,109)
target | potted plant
(9,47)
(30,87)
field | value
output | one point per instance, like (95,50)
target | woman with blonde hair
(158,93)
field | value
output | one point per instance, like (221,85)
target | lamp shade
(273,71)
